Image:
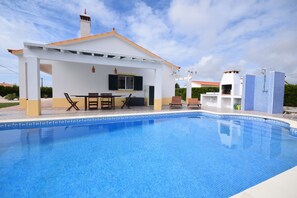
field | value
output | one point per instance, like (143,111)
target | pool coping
(272,187)
(292,123)
(281,185)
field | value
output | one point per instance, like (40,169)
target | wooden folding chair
(71,102)
(93,101)
(106,100)
(126,102)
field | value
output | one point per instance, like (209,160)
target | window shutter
(113,82)
(138,83)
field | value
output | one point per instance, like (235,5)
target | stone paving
(47,111)
(16,113)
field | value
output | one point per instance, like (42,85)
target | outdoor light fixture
(192,72)
(115,71)
(93,69)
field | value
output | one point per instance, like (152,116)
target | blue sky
(208,35)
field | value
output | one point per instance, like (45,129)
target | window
(129,82)
(121,82)
(126,82)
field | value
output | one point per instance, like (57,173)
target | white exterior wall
(22,77)
(110,44)
(168,83)
(73,74)
(237,85)
(75,78)
(83,81)
(194,85)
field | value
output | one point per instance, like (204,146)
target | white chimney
(85,24)
(230,83)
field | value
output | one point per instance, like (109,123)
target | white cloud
(100,13)
(256,32)
(204,20)
(24,22)
(210,35)
(149,28)
(209,68)
(277,53)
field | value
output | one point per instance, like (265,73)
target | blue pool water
(180,156)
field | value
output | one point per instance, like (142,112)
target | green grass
(3,105)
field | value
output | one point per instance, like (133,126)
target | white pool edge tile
(282,185)
(292,123)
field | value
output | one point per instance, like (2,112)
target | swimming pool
(177,155)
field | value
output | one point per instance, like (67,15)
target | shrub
(10,96)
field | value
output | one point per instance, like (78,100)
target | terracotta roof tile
(6,84)
(207,83)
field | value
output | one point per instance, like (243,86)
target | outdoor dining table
(99,96)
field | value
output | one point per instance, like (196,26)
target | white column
(189,88)
(22,82)
(33,86)
(158,89)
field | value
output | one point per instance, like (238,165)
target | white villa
(106,62)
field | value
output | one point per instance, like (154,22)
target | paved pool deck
(282,185)
(47,111)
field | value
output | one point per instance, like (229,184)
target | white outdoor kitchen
(229,94)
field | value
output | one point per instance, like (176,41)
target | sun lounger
(176,102)
(194,103)
(293,112)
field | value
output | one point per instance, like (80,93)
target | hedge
(46,92)
(290,98)
(195,91)
(9,90)
(290,95)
